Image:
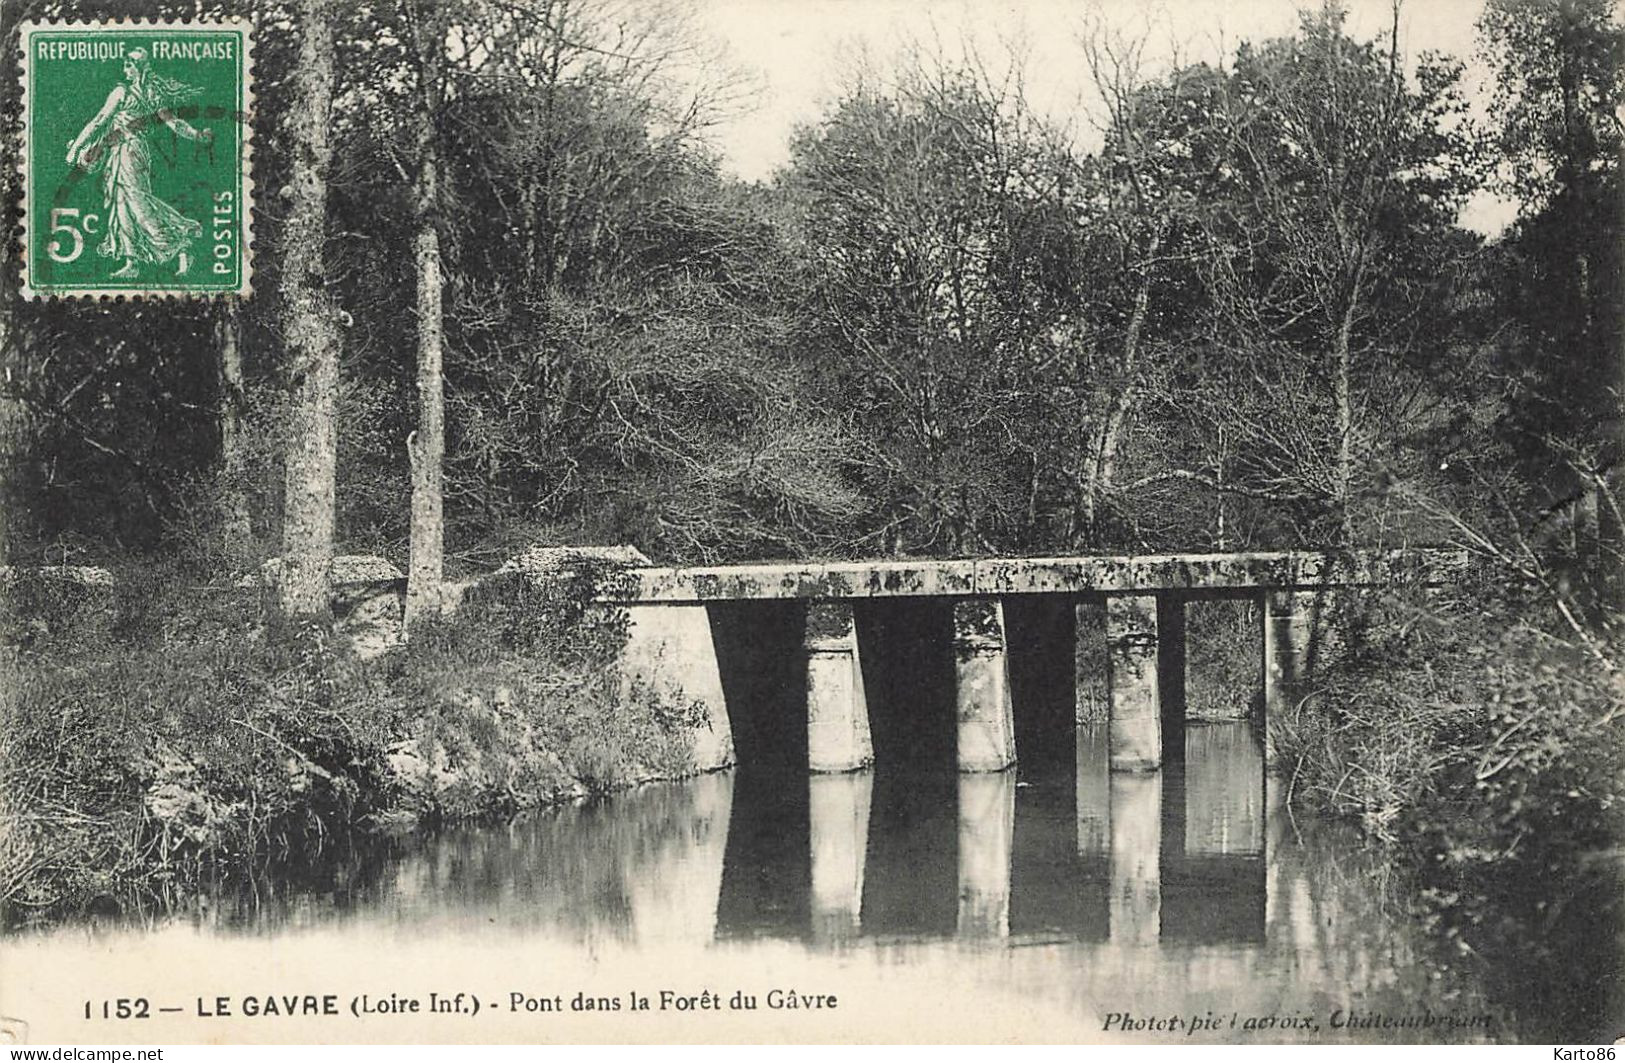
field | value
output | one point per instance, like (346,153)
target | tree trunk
(233,500)
(1104,466)
(11,424)
(1571,173)
(311,332)
(426,446)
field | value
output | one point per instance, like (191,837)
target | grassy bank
(158,736)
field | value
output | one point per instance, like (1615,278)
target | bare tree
(1334,252)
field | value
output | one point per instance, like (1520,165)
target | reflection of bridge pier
(1136,866)
(987,823)
(1174,856)
(838,835)
(1184,846)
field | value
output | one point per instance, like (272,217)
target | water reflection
(1213,875)
(838,834)
(1135,814)
(1133,859)
(987,822)
(1185,889)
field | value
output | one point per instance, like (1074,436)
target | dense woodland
(1247,319)
(505,293)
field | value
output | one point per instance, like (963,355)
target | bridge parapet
(1278,570)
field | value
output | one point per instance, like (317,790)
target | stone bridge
(671,647)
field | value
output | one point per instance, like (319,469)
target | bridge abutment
(838,736)
(669,650)
(985,714)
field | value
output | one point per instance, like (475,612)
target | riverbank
(1480,744)
(157,735)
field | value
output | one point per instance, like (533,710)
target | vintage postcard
(751,521)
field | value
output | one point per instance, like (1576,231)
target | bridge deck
(1038,575)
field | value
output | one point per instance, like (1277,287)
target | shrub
(1469,707)
(1487,752)
(157,737)
(539,660)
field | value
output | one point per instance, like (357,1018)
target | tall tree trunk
(311,332)
(233,501)
(11,425)
(426,446)
(1571,173)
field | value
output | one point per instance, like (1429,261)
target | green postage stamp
(136,158)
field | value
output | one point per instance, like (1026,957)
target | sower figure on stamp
(140,226)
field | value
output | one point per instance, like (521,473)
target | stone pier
(987,831)
(838,832)
(1135,724)
(986,718)
(837,709)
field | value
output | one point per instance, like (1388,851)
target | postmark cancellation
(136,159)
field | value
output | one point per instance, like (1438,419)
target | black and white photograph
(812,522)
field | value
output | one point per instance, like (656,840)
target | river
(1058,902)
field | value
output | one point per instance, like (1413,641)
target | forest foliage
(1245,315)
(1247,318)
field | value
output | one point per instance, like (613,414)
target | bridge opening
(908,674)
(764,682)
(1224,653)
(1041,633)
(1092,699)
